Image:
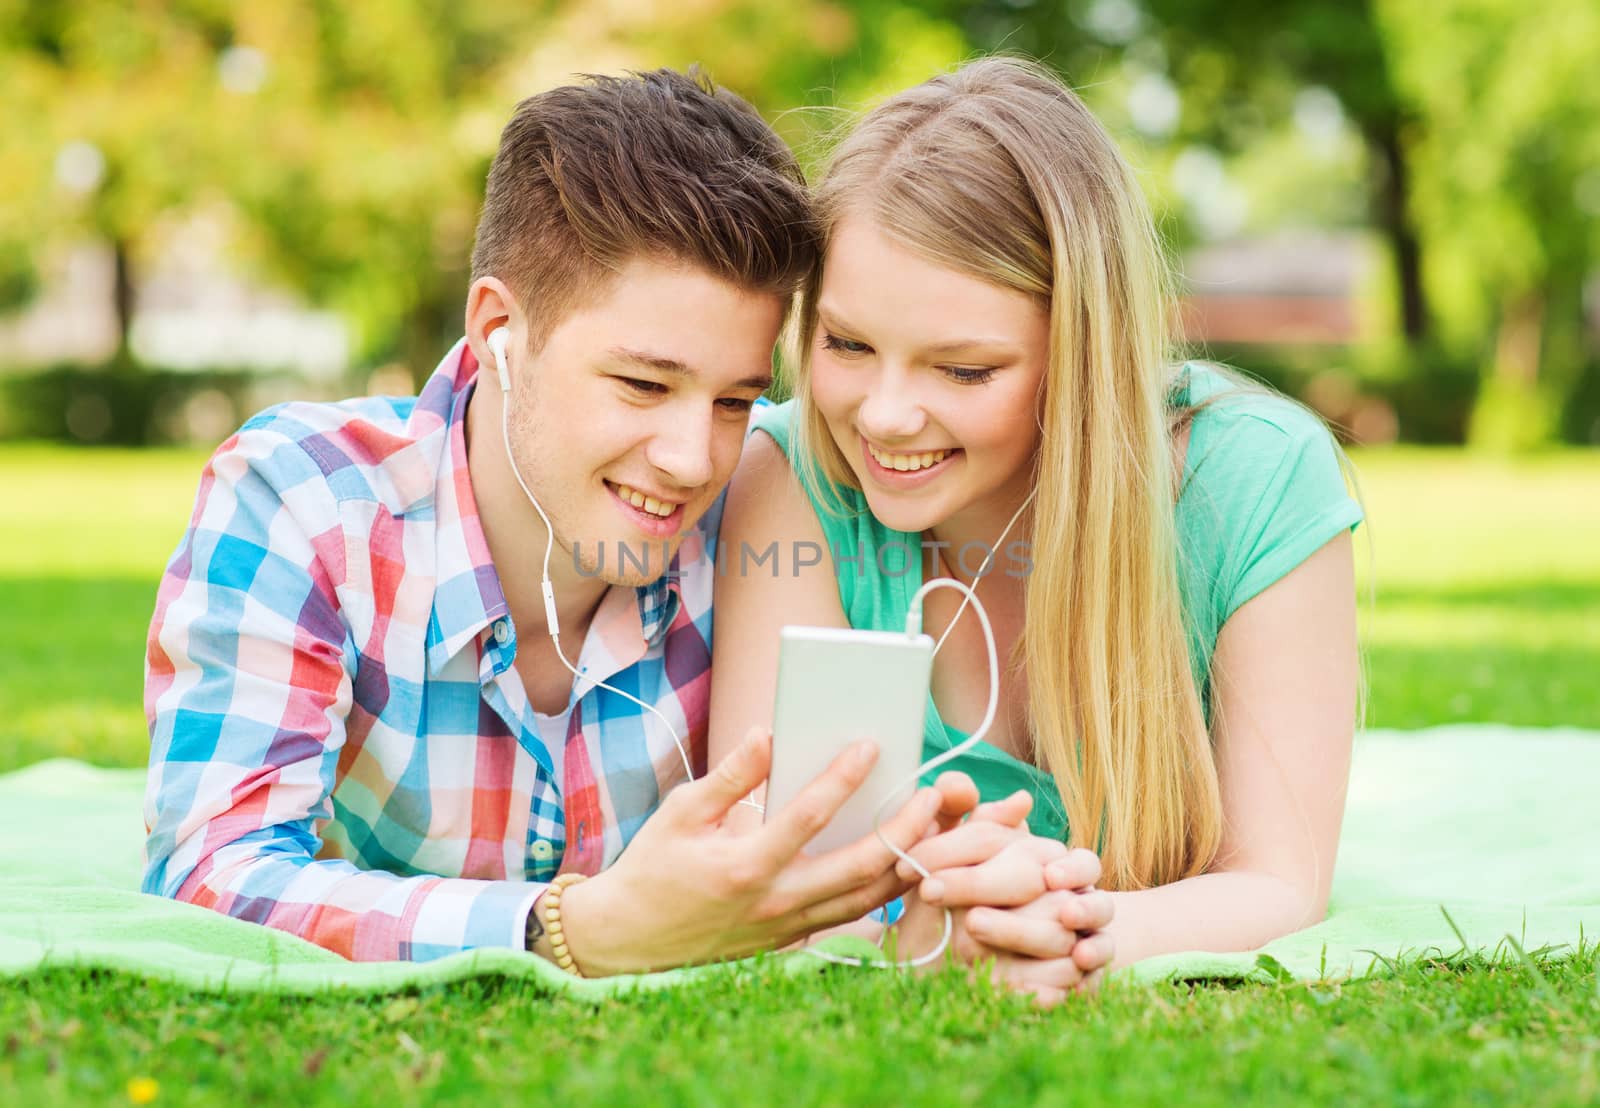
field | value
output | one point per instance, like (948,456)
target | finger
(967,845)
(1019,933)
(1093,982)
(862,862)
(813,915)
(782,836)
(1089,911)
(730,781)
(1009,879)
(1010,812)
(1078,869)
(957,795)
(1029,974)
(1045,996)
(1094,951)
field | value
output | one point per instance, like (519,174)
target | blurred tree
(114,98)
(326,132)
(1481,125)
(1508,190)
(1237,67)
(344,145)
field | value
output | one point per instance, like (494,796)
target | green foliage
(341,148)
(124,405)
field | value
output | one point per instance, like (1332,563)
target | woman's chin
(898,515)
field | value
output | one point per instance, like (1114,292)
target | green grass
(1487,607)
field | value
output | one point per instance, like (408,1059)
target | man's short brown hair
(663,165)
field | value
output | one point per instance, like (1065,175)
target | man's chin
(631,563)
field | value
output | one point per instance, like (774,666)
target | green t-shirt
(1262,490)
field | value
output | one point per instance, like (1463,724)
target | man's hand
(691,889)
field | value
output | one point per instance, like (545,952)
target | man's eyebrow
(675,368)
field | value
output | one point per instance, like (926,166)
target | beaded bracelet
(551,905)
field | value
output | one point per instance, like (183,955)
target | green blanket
(1497,825)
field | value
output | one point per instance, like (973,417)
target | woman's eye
(847,347)
(969,375)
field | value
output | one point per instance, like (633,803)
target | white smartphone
(836,686)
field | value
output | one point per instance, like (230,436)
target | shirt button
(502,631)
(542,851)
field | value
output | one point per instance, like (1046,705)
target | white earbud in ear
(497,346)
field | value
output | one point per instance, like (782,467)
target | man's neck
(516,536)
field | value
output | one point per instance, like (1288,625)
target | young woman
(986,346)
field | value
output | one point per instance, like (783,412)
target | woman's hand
(691,889)
(1025,903)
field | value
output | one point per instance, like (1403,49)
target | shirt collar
(467,595)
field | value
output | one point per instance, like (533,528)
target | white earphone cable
(913,627)
(551,620)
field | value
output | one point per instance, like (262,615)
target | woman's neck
(980,531)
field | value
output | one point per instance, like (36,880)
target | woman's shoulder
(1263,481)
(777,421)
(1223,402)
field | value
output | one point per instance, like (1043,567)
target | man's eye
(734,404)
(847,347)
(644,388)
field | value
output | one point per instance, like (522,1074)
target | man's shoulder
(365,448)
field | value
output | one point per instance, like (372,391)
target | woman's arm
(1284,677)
(756,596)
(1284,682)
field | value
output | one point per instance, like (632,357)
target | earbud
(498,338)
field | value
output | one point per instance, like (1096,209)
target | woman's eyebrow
(829,316)
(956,346)
(994,344)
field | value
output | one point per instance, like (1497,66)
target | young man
(363,730)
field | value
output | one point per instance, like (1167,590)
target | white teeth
(908,462)
(648,503)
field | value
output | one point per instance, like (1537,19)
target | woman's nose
(891,410)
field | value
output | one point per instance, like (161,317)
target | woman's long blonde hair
(999,171)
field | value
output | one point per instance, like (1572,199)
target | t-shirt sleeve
(1276,481)
(841,512)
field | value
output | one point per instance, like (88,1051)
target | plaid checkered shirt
(339,746)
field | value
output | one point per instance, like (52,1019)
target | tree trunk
(122,298)
(1520,342)
(1391,211)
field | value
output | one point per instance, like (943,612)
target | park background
(1390,210)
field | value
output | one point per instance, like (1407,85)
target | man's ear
(491,305)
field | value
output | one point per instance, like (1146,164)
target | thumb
(732,779)
(1010,812)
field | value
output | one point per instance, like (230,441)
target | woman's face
(929,380)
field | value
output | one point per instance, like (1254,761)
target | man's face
(629,421)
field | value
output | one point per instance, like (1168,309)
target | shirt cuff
(890,913)
(519,937)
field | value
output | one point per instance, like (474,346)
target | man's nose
(681,447)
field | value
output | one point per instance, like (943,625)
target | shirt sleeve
(1295,501)
(249,671)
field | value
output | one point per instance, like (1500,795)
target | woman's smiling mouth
(902,469)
